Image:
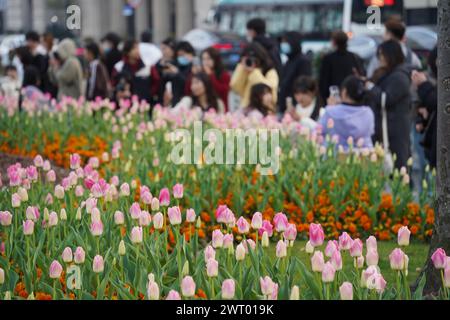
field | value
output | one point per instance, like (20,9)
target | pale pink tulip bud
(125,190)
(366,274)
(67,255)
(372,258)
(265,239)
(59,192)
(281,249)
(210,253)
(345,241)
(447,277)
(358,263)
(94,162)
(74,161)
(32,213)
(295,293)
(119,218)
(188,287)
(228,289)
(228,241)
(158,221)
(46,166)
(15,200)
(280,221)
(212,268)
(135,211)
(174,215)
(257,221)
(357,248)
(240,252)
(152,291)
(79,191)
(317,261)
(371,243)
(173,295)
(316,235)
(243,225)
(328,273)
(146,198)
(155,204)
(90,204)
(105,156)
(403,236)
(5,218)
(28,227)
(397,260)
(346,291)
(439,259)
(332,246)
(190,215)
(49,198)
(95,215)
(267,286)
(309,248)
(122,249)
(178,191)
(38,161)
(55,270)
(114,181)
(217,239)
(2,276)
(50,176)
(290,233)
(97,228)
(53,219)
(145,219)
(164,197)
(98,265)
(79,255)
(136,235)
(23,194)
(376,282)
(336,260)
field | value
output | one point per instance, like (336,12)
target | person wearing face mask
(296,66)
(180,74)
(111,53)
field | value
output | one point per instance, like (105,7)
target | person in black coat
(111,53)
(39,61)
(296,66)
(393,78)
(426,121)
(338,65)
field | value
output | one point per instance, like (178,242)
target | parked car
(230,45)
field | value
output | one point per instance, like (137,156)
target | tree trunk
(441,233)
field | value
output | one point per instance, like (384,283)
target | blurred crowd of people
(346,98)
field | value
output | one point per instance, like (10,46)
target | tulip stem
(444,289)
(54,289)
(211,284)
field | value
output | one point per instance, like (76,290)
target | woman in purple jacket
(351,117)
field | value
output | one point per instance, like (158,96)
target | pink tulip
(345,241)
(15,200)
(188,287)
(439,259)
(79,255)
(210,253)
(359,262)
(356,249)
(5,218)
(74,161)
(158,221)
(280,221)
(79,191)
(125,190)
(119,218)
(136,235)
(240,252)
(55,270)
(174,214)
(217,239)
(281,249)
(38,161)
(372,258)
(50,176)
(53,219)
(290,233)
(328,273)
(316,235)
(2,248)
(243,225)
(228,289)
(164,197)
(371,243)
(346,291)
(376,282)
(228,241)
(274,295)
(152,290)
(28,227)
(67,255)
(257,221)
(190,215)
(135,211)
(220,213)
(212,268)
(145,219)
(98,265)
(332,246)
(178,191)
(266,227)
(173,295)
(403,236)
(97,228)
(317,261)
(366,274)
(59,192)
(336,260)
(146,198)
(267,286)
(447,277)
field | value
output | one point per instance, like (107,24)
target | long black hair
(211,95)
(356,90)
(256,95)
(262,58)
(215,56)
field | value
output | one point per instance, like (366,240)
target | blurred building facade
(162,18)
